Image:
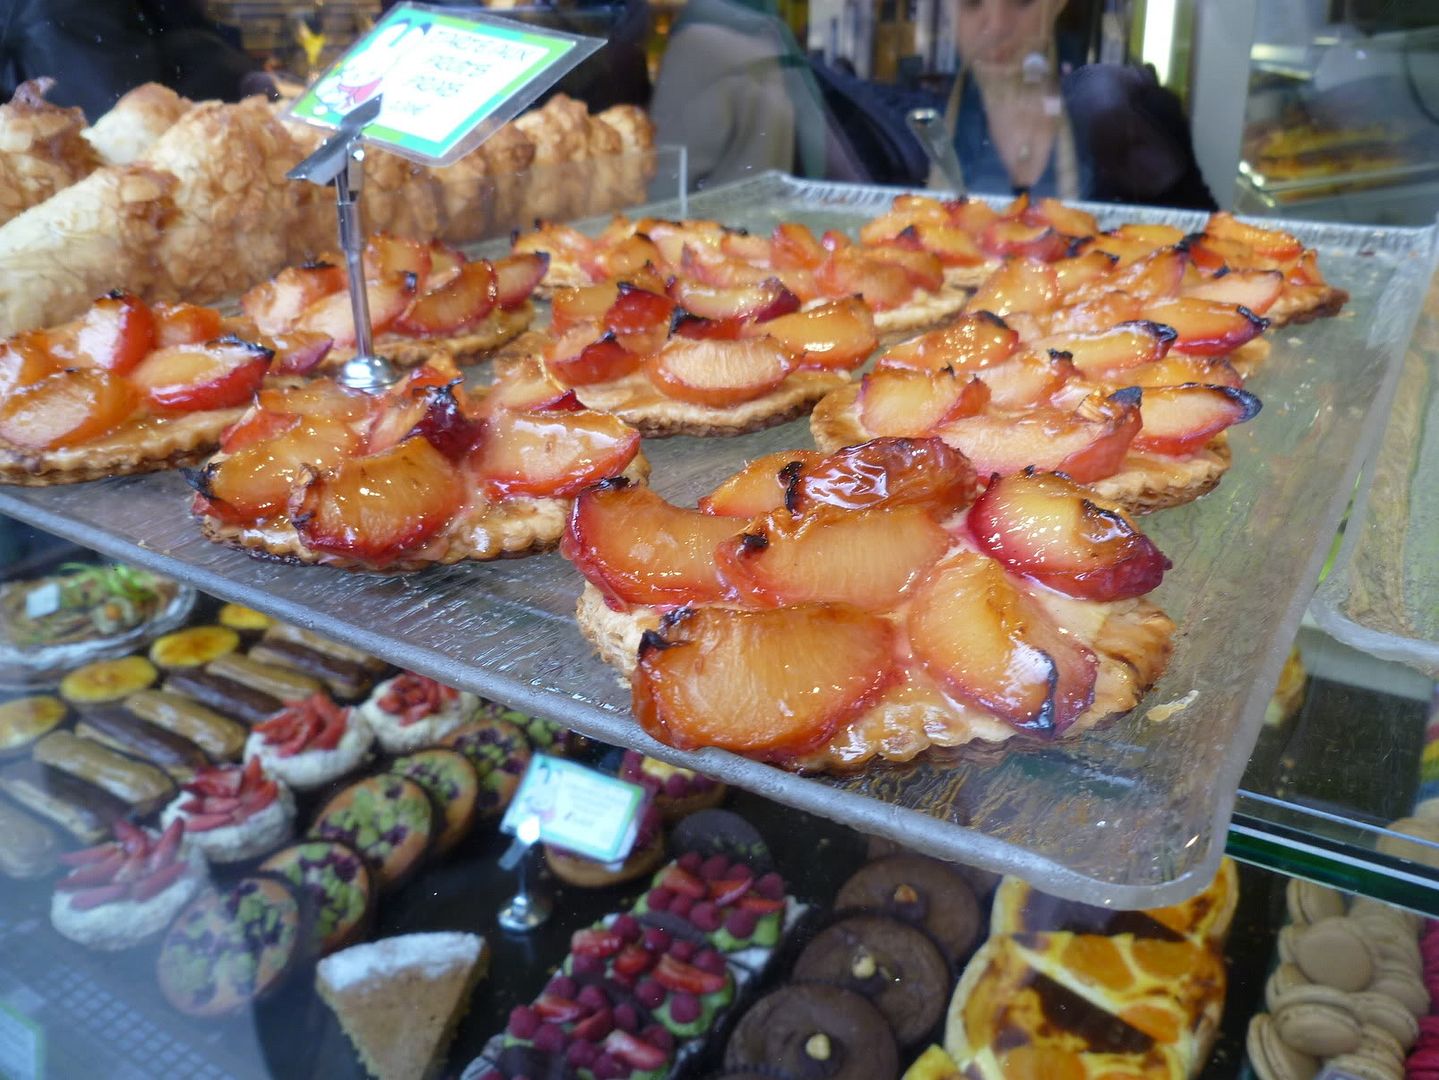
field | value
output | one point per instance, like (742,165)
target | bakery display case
(941,573)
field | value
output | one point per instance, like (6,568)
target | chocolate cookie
(810,1031)
(893,964)
(920,891)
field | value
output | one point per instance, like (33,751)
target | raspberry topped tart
(130,388)
(1121,410)
(677,358)
(869,602)
(425,300)
(423,474)
(904,287)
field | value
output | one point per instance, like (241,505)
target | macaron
(1382,1011)
(1390,943)
(1366,905)
(1309,902)
(1288,935)
(1405,989)
(1333,952)
(1378,1043)
(1273,1058)
(1318,1020)
(1423,830)
(1282,978)
(1365,1068)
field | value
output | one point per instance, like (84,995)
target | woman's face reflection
(1002,32)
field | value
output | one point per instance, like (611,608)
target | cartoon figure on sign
(362,76)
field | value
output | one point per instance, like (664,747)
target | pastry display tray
(1382,594)
(1132,815)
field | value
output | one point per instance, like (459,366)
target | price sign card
(450,78)
(584,811)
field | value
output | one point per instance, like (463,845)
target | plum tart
(426,300)
(905,288)
(677,358)
(1020,612)
(423,474)
(1119,410)
(130,388)
(120,893)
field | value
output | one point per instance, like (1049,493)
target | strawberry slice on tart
(234,812)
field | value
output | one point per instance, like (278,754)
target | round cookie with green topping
(231,947)
(544,735)
(337,881)
(500,754)
(452,782)
(388,819)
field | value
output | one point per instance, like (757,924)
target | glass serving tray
(1382,594)
(1133,815)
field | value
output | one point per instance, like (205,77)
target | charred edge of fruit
(1223,271)
(1129,395)
(544,257)
(1189,240)
(989,317)
(316,264)
(1060,354)
(199,479)
(790,474)
(118,294)
(753,542)
(236,339)
(1043,722)
(735,230)
(515,234)
(611,483)
(412,281)
(1250,403)
(671,619)
(908,233)
(653,641)
(1258,321)
(1163,331)
(681,317)
(1075,248)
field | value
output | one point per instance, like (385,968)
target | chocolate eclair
(225,696)
(122,730)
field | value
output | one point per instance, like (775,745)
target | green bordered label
(22,1046)
(449,79)
(584,811)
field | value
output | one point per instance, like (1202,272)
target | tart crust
(510,528)
(1132,640)
(1305,303)
(496,329)
(140,446)
(1147,482)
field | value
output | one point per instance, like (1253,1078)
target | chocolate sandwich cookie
(920,891)
(814,1030)
(225,696)
(891,963)
(122,730)
(346,678)
(500,754)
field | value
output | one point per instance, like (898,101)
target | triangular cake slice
(400,999)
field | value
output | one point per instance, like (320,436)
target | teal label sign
(448,79)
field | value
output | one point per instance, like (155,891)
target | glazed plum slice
(1047,527)
(378,506)
(277,304)
(988,643)
(1012,238)
(23,362)
(753,303)
(1096,315)
(1078,271)
(866,558)
(639,549)
(768,684)
(219,375)
(1180,419)
(835,336)
(581,305)
(1255,290)
(1030,378)
(1125,346)
(516,277)
(255,480)
(392,256)
(1157,276)
(923,268)
(332,315)
(115,334)
(1268,242)
(1088,443)
(951,245)
(901,402)
(922,472)
(849,271)
(760,486)
(434,413)
(466,300)
(1069,220)
(639,319)
(66,408)
(1020,285)
(551,453)
(579,358)
(717,373)
(1205,327)
(792,246)
(972,341)
(1180,368)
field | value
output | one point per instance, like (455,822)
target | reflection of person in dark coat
(96,50)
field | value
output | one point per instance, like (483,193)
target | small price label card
(450,78)
(584,811)
(43,601)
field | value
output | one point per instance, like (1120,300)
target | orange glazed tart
(425,300)
(678,358)
(130,388)
(1119,410)
(906,289)
(817,611)
(422,474)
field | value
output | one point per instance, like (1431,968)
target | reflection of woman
(736,90)
(1099,131)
